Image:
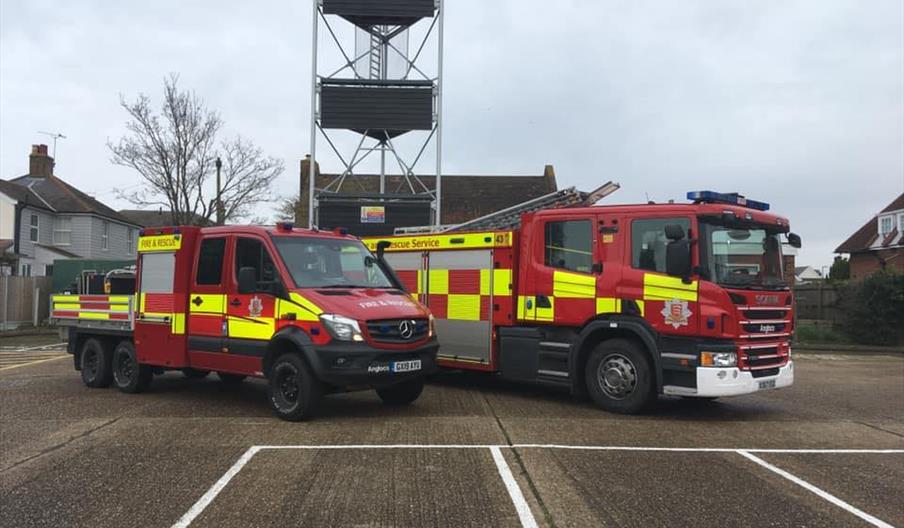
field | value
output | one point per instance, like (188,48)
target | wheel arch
(613,327)
(288,340)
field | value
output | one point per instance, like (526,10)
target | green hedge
(874,309)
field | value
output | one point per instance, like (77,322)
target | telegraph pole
(219,204)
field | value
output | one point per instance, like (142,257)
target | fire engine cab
(311,311)
(619,302)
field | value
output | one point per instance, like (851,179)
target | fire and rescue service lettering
(159,243)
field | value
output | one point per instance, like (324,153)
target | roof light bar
(726,198)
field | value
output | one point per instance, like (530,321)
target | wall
(117,243)
(45,230)
(866,263)
(7,217)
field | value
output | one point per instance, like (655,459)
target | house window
(569,245)
(33,228)
(26,270)
(62,230)
(131,243)
(885,224)
(105,237)
(901,223)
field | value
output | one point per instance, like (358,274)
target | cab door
(251,318)
(559,282)
(668,303)
(207,303)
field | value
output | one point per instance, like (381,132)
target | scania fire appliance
(619,302)
(311,311)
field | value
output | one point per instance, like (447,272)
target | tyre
(96,365)
(402,393)
(231,379)
(195,373)
(128,375)
(292,389)
(619,377)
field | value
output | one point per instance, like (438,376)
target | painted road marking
(15,359)
(523,509)
(823,494)
(514,491)
(38,347)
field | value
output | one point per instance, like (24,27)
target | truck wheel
(231,379)
(129,375)
(402,393)
(292,389)
(619,377)
(195,373)
(96,365)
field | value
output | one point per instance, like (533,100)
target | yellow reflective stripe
(251,327)
(438,282)
(157,314)
(93,315)
(65,306)
(665,288)
(523,311)
(573,285)
(487,239)
(308,305)
(485,282)
(640,306)
(464,307)
(120,298)
(177,323)
(419,287)
(147,244)
(210,303)
(502,282)
(119,307)
(141,298)
(608,305)
(65,298)
(284,308)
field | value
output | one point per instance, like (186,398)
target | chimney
(301,207)
(40,165)
(549,174)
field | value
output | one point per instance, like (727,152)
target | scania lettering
(619,302)
(311,311)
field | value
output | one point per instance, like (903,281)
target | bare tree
(286,209)
(175,152)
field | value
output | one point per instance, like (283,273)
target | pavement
(472,451)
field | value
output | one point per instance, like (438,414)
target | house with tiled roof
(879,244)
(43,218)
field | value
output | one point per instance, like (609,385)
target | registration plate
(767,384)
(406,366)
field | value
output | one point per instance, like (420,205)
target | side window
(157,272)
(569,245)
(648,242)
(251,253)
(210,261)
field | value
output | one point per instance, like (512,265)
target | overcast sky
(797,103)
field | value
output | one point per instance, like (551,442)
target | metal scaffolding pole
(314,16)
(439,115)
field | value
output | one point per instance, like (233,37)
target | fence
(817,301)
(23,301)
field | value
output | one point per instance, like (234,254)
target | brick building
(879,244)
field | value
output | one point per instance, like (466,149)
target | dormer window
(886,224)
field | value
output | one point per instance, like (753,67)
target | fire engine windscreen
(741,257)
(330,263)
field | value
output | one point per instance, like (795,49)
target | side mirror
(674,232)
(382,246)
(247,280)
(678,258)
(794,240)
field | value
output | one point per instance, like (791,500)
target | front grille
(765,328)
(389,330)
(765,373)
(763,357)
(764,314)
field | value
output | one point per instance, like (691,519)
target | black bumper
(350,364)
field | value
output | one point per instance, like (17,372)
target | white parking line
(514,491)
(825,495)
(521,506)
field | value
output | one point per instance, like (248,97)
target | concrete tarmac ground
(184,453)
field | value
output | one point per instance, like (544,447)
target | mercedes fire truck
(620,302)
(311,311)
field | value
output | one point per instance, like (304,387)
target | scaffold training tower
(385,87)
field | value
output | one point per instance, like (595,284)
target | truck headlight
(431,326)
(341,327)
(718,359)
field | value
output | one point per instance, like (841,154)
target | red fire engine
(312,311)
(622,302)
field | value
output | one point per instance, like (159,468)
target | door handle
(235,302)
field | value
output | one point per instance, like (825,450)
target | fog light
(718,359)
(721,374)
